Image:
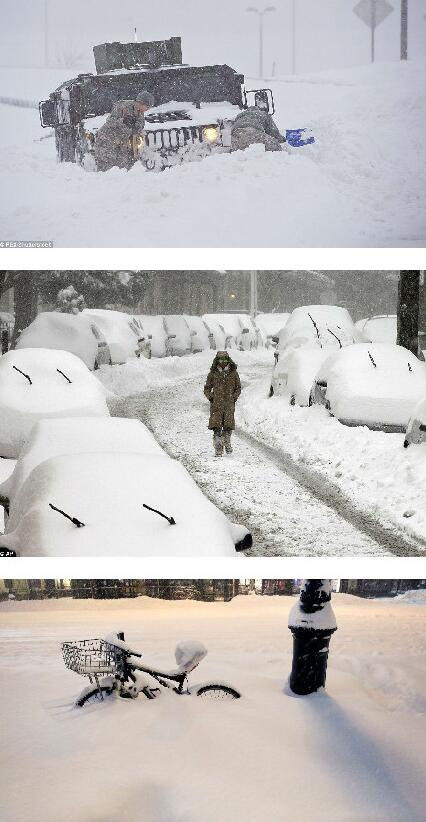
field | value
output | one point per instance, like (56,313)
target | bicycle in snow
(115,669)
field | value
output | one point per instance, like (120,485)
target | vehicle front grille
(174,138)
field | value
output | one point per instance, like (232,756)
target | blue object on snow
(299,137)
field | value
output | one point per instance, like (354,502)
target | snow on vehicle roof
(325,325)
(271,324)
(107,493)
(64,332)
(230,322)
(115,325)
(381,328)
(376,384)
(78,435)
(38,383)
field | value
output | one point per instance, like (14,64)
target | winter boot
(227,441)
(218,443)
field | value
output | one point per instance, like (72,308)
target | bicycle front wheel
(218,692)
(94,695)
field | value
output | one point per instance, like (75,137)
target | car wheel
(271,391)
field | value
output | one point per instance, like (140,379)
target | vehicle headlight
(211,133)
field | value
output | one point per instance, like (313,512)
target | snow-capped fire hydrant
(312,622)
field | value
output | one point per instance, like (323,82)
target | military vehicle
(193,113)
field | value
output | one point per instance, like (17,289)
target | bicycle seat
(189,654)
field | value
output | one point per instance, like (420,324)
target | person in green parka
(222,389)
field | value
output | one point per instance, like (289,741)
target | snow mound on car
(37,383)
(64,332)
(115,326)
(377,384)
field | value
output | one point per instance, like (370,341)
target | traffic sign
(373,12)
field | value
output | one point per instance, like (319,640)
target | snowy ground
(354,753)
(361,184)
(288,497)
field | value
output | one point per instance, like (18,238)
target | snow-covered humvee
(194,111)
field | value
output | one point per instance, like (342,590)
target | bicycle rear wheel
(218,692)
(94,695)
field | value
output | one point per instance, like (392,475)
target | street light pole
(404,29)
(293,28)
(253,293)
(46,33)
(260,13)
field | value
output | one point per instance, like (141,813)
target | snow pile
(350,754)
(377,384)
(416,429)
(200,333)
(55,437)
(115,326)
(107,492)
(63,332)
(412,597)
(39,383)
(379,329)
(271,324)
(371,468)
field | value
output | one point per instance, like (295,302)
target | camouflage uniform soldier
(256,126)
(114,144)
(222,389)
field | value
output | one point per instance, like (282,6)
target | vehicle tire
(271,391)
(93,696)
(293,400)
(218,692)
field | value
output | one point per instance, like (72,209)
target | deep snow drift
(361,184)
(350,754)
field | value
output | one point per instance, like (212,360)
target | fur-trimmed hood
(215,363)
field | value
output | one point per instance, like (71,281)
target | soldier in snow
(222,389)
(117,140)
(256,126)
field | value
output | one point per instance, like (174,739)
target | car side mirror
(245,331)
(171,336)
(276,356)
(261,100)
(275,339)
(150,336)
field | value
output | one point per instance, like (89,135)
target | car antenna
(170,520)
(24,375)
(74,520)
(64,375)
(372,360)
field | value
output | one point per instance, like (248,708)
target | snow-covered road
(361,184)
(354,753)
(286,516)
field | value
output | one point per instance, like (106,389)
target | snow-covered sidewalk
(353,753)
(371,468)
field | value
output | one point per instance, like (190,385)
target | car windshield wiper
(170,520)
(74,520)
(316,328)
(64,375)
(335,336)
(23,374)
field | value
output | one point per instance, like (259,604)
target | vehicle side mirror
(276,356)
(171,336)
(275,339)
(47,113)
(245,331)
(150,336)
(261,100)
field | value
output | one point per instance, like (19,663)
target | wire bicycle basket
(91,657)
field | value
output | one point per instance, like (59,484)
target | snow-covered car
(117,504)
(116,327)
(222,340)
(68,435)
(201,336)
(237,333)
(155,328)
(319,329)
(381,328)
(255,336)
(179,340)
(374,384)
(76,333)
(194,106)
(37,383)
(270,325)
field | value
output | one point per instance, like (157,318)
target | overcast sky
(329,35)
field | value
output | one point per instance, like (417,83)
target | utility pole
(253,294)
(261,13)
(373,29)
(404,29)
(46,33)
(293,36)
(409,310)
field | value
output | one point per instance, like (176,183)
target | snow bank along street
(284,505)
(360,184)
(354,752)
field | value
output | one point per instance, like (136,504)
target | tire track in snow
(286,515)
